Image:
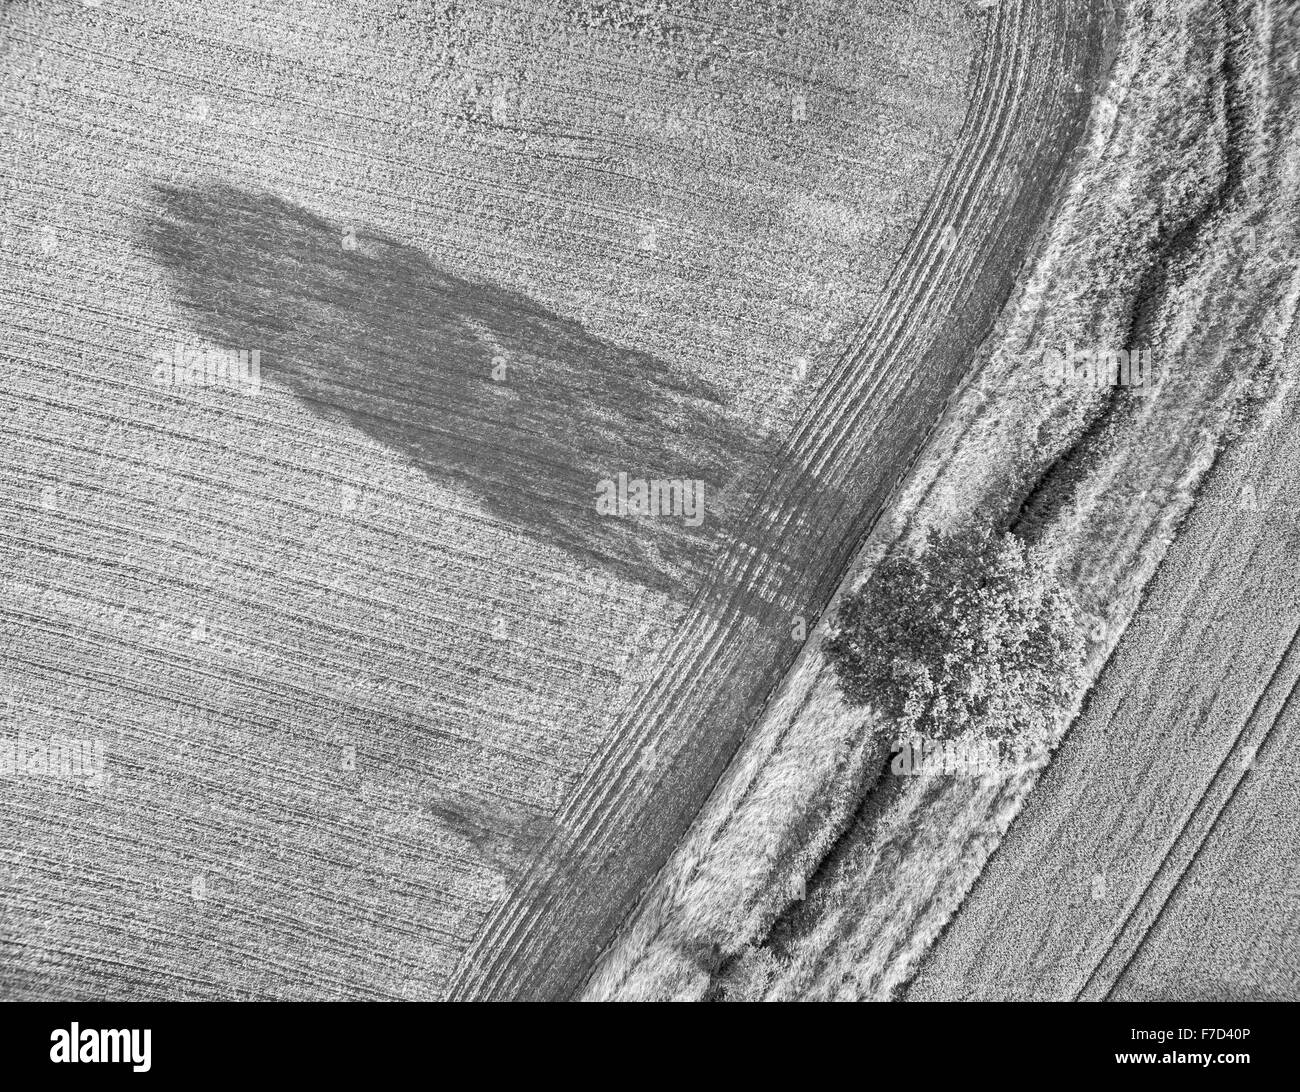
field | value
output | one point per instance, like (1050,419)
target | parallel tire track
(822,494)
(1174,867)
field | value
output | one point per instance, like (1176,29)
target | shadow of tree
(481,388)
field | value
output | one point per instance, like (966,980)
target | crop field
(438,436)
(372,703)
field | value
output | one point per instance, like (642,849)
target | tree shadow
(481,388)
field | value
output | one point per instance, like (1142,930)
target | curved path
(856,437)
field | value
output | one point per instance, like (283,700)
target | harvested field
(334,662)
(384,712)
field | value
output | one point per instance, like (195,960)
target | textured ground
(825,486)
(1159,857)
(370,679)
(815,873)
(803,767)
(387,711)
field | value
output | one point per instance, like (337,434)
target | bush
(970,638)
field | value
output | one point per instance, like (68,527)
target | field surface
(385,710)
